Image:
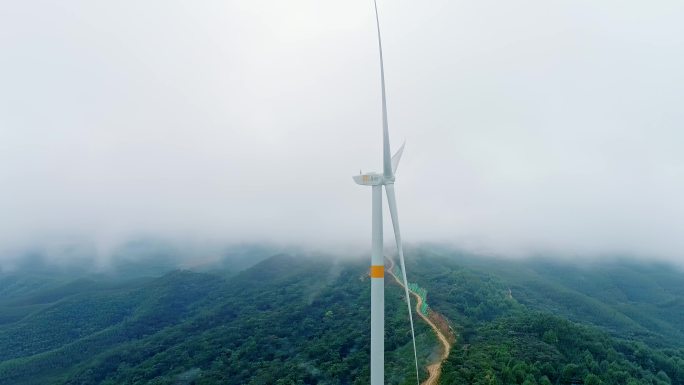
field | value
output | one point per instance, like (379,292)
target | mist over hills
(139,139)
(136,258)
(292,318)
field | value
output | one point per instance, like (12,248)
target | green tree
(592,379)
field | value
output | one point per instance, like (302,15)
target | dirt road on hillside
(434,369)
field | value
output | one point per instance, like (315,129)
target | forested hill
(304,320)
(540,321)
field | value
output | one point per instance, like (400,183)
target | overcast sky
(531,126)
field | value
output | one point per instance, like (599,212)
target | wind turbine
(377,269)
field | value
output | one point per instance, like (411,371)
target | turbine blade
(386,161)
(392,201)
(397,157)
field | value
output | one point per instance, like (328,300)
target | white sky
(531,126)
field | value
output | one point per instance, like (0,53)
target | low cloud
(532,127)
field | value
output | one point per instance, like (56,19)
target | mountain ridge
(290,319)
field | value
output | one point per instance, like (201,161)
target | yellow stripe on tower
(377,271)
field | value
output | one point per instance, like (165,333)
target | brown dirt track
(446,337)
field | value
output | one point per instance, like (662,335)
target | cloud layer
(530,126)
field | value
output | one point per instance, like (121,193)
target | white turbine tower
(377,269)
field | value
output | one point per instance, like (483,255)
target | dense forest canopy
(304,320)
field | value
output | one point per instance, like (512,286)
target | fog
(532,127)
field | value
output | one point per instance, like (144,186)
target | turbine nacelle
(372,179)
